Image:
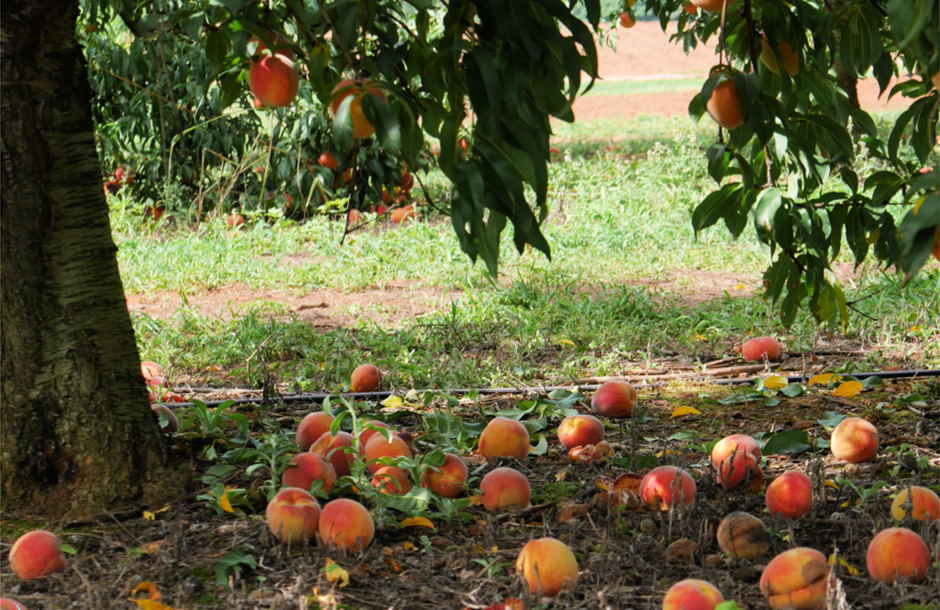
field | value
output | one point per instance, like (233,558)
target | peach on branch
(274,81)
(365,378)
(743,535)
(448,479)
(36,554)
(391,480)
(312,427)
(758,348)
(548,567)
(305,468)
(504,487)
(791,61)
(379,447)
(796,579)
(293,515)
(666,486)
(897,553)
(736,443)
(712,6)
(692,594)
(504,438)
(790,495)
(724,105)
(362,128)
(337,450)
(740,470)
(925,505)
(614,399)
(346,525)
(577,430)
(854,440)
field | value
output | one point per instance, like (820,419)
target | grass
(657,85)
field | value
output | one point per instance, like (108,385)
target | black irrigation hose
(383,395)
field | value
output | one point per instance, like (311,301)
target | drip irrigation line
(545,389)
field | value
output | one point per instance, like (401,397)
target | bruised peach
(293,515)
(172,424)
(334,448)
(854,440)
(665,486)
(925,505)
(391,480)
(743,535)
(692,594)
(504,438)
(548,566)
(346,525)
(578,430)
(312,427)
(585,454)
(614,399)
(448,479)
(735,443)
(305,468)
(758,348)
(379,447)
(503,487)
(796,579)
(790,495)
(741,470)
(365,378)
(605,448)
(36,554)
(898,553)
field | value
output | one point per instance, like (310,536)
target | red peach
(448,479)
(378,447)
(925,504)
(234,221)
(365,378)
(504,438)
(333,448)
(796,579)
(172,424)
(7,603)
(614,399)
(391,480)
(548,566)
(503,487)
(734,443)
(36,554)
(346,525)
(369,429)
(305,468)
(274,80)
(790,495)
(400,215)
(328,160)
(664,486)
(292,515)
(897,553)
(577,430)
(854,440)
(759,348)
(312,427)
(741,470)
(692,594)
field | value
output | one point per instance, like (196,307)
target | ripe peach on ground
(741,470)
(235,221)
(790,495)
(796,579)
(548,566)
(9,604)
(665,486)
(346,525)
(274,80)
(150,370)
(312,427)
(736,443)
(36,554)
(692,594)
(503,487)
(391,480)
(332,448)
(854,440)
(305,468)
(448,479)
(378,447)
(897,553)
(400,215)
(365,378)
(370,428)
(577,430)
(614,399)
(293,515)
(172,424)
(925,505)
(504,438)
(758,348)
(743,535)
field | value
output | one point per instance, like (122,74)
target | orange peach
(335,450)
(365,378)
(790,495)
(897,553)
(692,594)
(150,370)
(665,486)
(577,430)
(741,470)
(312,427)
(391,480)
(378,447)
(503,487)
(548,567)
(36,554)
(731,444)
(504,438)
(796,579)
(346,525)
(293,515)
(614,399)
(274,81)
(400,215)
(854,440)
(759,348)
(925,504)
(791,61)
(172,424)
(7,603)
(305,468)
(743,535)
(369,429)
(713,6)
(448,479)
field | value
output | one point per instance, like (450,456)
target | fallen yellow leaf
(561,475)
(150,548)
(335,573)
(476,500)
(604,486)
(775,382)
(848,389)
(417,521)
(392,402)
(682,411)
(915,329)
(823,379)
(409,547)
(224,501)
(842,562)
(699,337)
(831,484)
(566,342)
(148,516)
(149,604)
(740,287)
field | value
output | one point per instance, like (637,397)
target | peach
(854,440)
(796,579)
(790,495)
(172,424)
(7,603)
(36,554)
(743,535)
(577,430)
(346,525)
(741,470)
(150,370)
(504,487)
(585,454)
(334,449)
(614,399)
(897,553)
(369,429)
(448,479)
(759,348)
(791,62)
(293,515)
(312,427)
(548,567)
(365,378)
(713,6)
(925,504)
(328,160)
(361,126)
(605,448)
(731,444)
(391,480)
(378,447)
(504,438)
(400,215)
(274,81)
(664,486)
(305,468)
(724,106)
(692,594)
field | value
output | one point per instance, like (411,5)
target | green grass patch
(634,87)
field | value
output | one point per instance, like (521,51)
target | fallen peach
(7,603)
(305,468)
(504,438)
(692,594)
(854,440)
(743,535)
(369,429)
(378,447)
(925,504)
(790,495)
(605,448)
(312,427)
(172,424)
(731,444)
(365,378)
(578,430)
(759,348)
(400,215)
(503,487)
(150,370)
(292,515)
(796,579)
(614,399)
(665,486)
(585,454)
(448,479)
(741,470)
(335,450)
(36,554)
(897,553)
(346,525)
(391,480)
(548,567)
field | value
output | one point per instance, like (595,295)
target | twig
(722,372)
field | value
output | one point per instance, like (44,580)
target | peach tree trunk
(76,432)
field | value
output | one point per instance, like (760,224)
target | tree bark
(76,431)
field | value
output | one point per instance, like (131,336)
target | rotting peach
(692,594)
(854,440)
(293,515)
(172,424)
(741,470)
(36,554)
(548,566)
(448,479)
(585,454)
(391,480)
(365,378)
(305,468)
(665,486)
(614,399)
(335,450)
(312,427)
(605,448)
(790,495)
(504,438)
(380,447)
(504,487)
(743,535)
(731,444)
(370,428)
(346,525)
(796,579)
(758,348)
(897,553)
(577,430)
(925,505)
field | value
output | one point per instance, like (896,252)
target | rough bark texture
(76,431)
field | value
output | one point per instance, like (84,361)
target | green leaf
(789,441)
(713,208)
(234,561)
(387,130)
(231,89)
(830,419)
(343,125)
(217,48)
(793,390)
